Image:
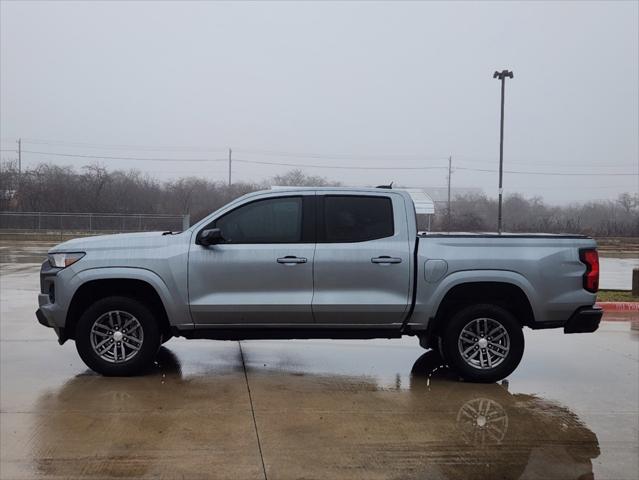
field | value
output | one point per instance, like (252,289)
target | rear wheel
(117,336)
(483,343)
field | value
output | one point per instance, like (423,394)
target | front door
(263,271)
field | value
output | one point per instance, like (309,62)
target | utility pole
(19,157)
(501,76)
(450,171)
(230,161)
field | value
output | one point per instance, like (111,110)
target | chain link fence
(90,222)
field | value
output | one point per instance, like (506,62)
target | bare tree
(628,202)
(51,188)
(297,178)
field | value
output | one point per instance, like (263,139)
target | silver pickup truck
(318,263)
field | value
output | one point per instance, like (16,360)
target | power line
(343,156)
(280,153)
(476,160)
(110,157)
(304,165)
(259,162)
(546,173)
(341,167)
(105,146)
(187,172)
(547,187)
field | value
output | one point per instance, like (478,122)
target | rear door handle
(385,259)
(291,260)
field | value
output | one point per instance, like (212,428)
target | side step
(286,333)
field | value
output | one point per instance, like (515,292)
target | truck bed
(545,267)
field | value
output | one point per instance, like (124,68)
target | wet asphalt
(315,408)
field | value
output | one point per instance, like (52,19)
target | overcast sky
(335,84)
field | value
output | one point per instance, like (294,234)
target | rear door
(263,272)
(362,259)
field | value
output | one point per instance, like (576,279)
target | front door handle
(385,259)
(291,260)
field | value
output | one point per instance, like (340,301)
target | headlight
(63,260)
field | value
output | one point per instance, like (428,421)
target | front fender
(176,309)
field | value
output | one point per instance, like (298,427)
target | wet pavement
(314,409)
(616,273)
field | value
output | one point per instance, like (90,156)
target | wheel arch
(507,295)
(94,289)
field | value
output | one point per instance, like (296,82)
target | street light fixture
(501,76)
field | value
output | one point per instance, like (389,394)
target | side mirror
(210,237)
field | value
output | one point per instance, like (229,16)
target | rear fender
(430,297)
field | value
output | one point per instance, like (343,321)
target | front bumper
(584,320)
(44,320)
(50,312)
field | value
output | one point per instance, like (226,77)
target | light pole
(501,76)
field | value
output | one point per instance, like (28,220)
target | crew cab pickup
(318,263)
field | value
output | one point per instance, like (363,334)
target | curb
(619,306)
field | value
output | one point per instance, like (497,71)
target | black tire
(440,349)
(435,345)
(142,360)
(454,357)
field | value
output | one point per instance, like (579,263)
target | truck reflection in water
(170,425)
(511,436)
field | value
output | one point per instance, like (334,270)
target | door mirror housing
(210,236)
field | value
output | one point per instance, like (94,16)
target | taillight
(590,257)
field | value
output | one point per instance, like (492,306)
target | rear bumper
(584,320)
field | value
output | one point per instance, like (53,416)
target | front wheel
(117,336)
(483,343)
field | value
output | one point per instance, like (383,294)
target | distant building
(8,198)
(424,204)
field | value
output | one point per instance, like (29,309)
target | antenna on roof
(386,186)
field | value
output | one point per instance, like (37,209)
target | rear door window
(350,218)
